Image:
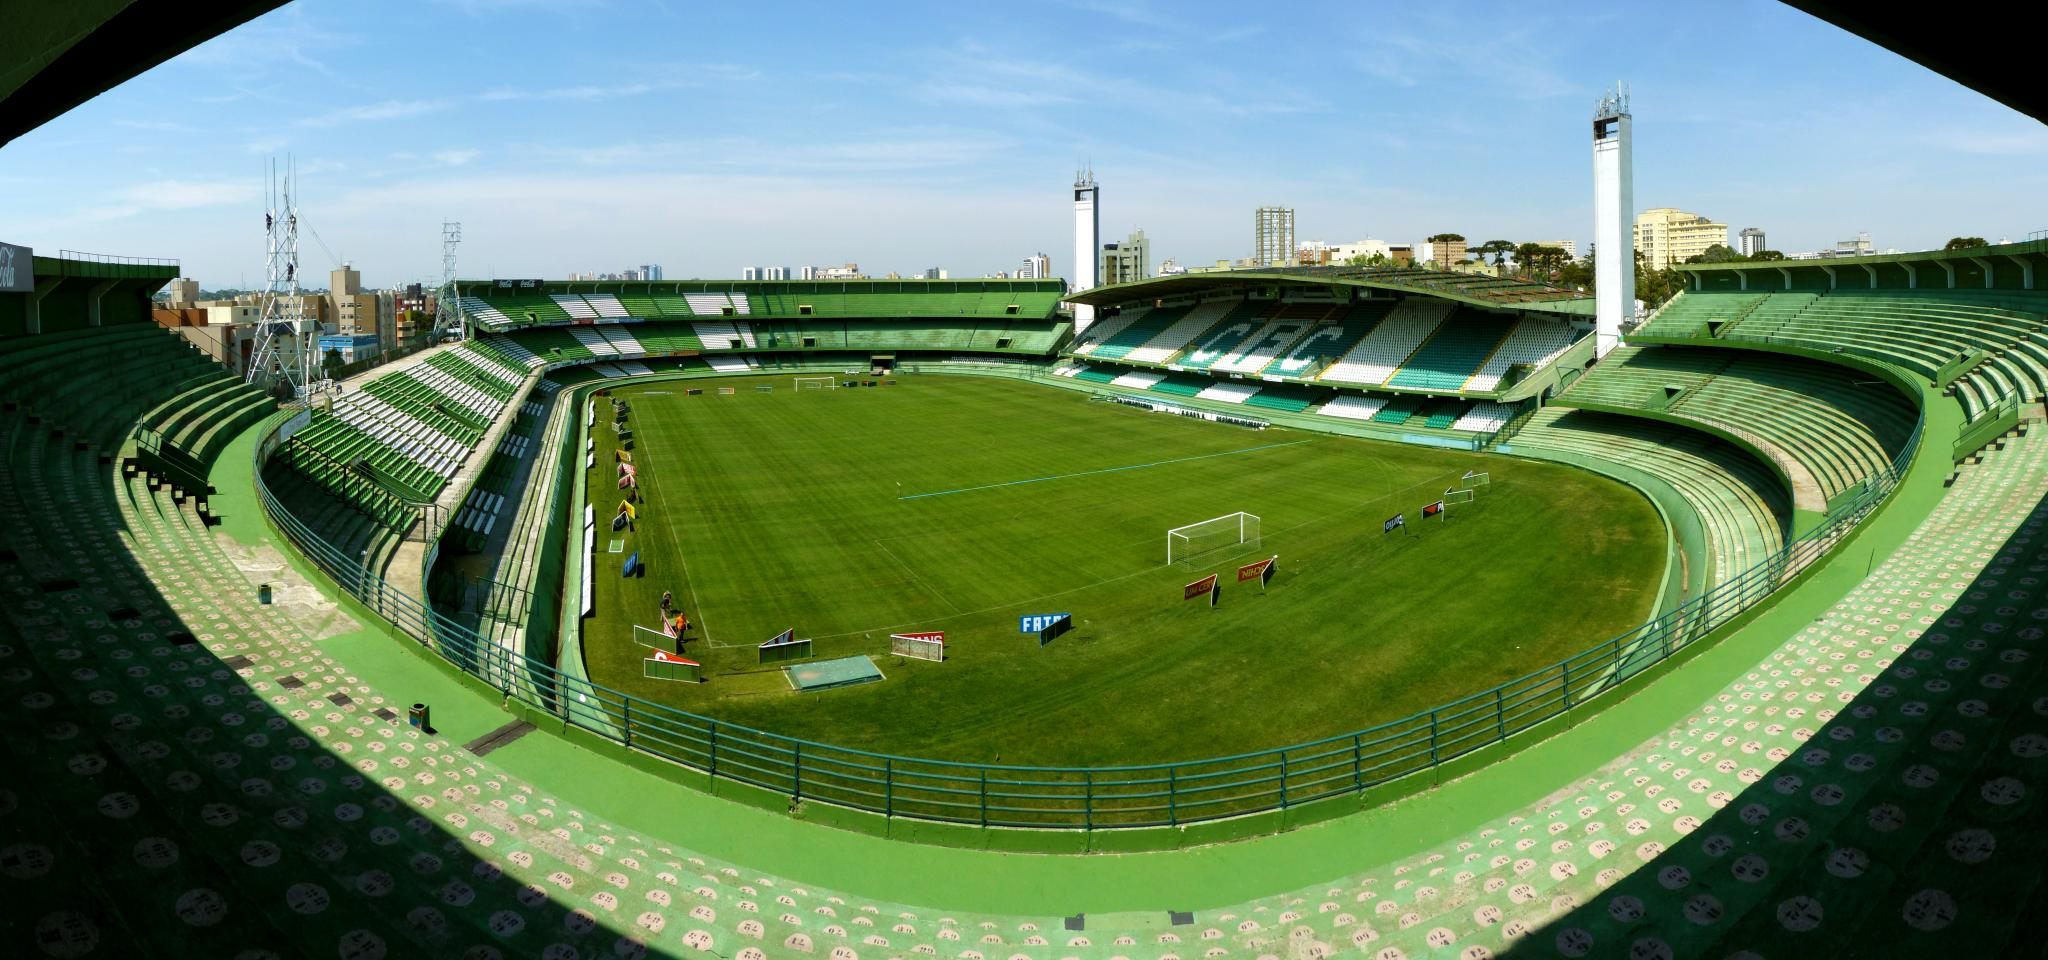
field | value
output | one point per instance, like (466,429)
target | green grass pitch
(802,509)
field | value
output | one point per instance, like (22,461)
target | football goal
(1216,536)
(816,383)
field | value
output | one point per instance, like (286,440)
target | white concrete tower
(1614,204)
(1087,244)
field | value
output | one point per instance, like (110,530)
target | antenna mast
(448,315)
(281,351)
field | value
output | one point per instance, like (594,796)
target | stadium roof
(1878,259)
(57,55)
(2000,64)
(1494,293)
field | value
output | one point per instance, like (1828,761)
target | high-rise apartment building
(1036,267)
(1128,260)
(1667,235)
(1273,237)
(1751,242)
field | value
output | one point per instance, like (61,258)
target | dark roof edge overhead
(2003,64)
(128,39)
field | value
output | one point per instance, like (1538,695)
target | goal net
(816,383)
(1212,538)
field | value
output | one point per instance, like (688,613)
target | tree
(1964,243)
(1499,248)
(1448,238)
(1577,274)
(1718,253)
(1766,256)
(331,363)
(1370,260)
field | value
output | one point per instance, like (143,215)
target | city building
(181,293)
(850,271)
(1342,254)
(1446,252)
(1038,267)
(1170,267)
(650,271)
(1128,260)
(1751,242)
(764,273)
(1273,236)
(1667,235)
(1403,255)
(353,313)
(931,273)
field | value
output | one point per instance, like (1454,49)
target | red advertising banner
(1253,571)
(666,657)
(935,636)
(1199,588)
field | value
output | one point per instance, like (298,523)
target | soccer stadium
(1280,611)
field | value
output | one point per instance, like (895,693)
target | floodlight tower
(282,329)
(448,315)
(1087,244)
(1614,204)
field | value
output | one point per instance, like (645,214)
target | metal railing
(1147,795)
(85,257)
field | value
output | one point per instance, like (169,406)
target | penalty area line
(1090,473)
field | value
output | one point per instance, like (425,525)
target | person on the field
(668,601)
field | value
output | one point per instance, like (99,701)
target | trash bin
(263,593)
(417,716)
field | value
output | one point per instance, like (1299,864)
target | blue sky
(573,135)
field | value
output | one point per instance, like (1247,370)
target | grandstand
(1742,511)
(1827,743)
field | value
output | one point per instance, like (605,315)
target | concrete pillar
(35,301)
(92,300)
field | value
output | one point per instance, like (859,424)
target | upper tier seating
(1324,344)
(1391,343)
(1104,328)
(1536,341)
(721,335)
(1919,330)
(574,305)
(1148,324)
(1221,340)
(1272,340)
(1462,343)
(1825,421)
(1184,330)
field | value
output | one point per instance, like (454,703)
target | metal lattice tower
(448,315)
(282,351)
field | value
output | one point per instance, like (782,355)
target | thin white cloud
(384,110)
(455,158)
(2027,142)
